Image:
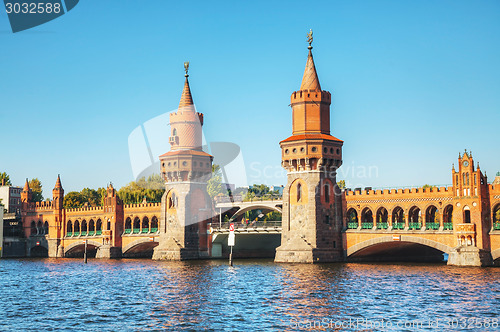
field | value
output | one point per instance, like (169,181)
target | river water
(254,295)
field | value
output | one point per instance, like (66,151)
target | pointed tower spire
(310,80)
(186,98)
(58,182)
(26,186)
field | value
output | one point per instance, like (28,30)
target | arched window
(77,227)
(154,224)
(137,225)
(464,182)
(39,227)
(98,227)
(299,192)
(84,226)
(128,225)
(145,225)
(46,227)
(174,132)
(33,228)
(69,228)
(468,179)
(327,193)
(91,227)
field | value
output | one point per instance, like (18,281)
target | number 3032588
(33,8)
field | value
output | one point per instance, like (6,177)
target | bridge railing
(240,199)
(254,224)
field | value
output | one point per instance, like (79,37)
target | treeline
(150,189)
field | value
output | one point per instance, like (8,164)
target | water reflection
(110,295)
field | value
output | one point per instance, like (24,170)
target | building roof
(311,137)
(185,152)
(310,80)
(186,97)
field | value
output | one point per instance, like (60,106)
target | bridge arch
(139,248)
(495,254)
(404,238)
(257,206)
(79,246)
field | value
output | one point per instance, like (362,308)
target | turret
(58,194)
(27,194)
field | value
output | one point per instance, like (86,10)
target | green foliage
(92,196)
(5,176)
(273,216)
(260,191)
(214,185)
(428,186)
(151,188)
(36,188)
(497,215)
(341,184)
(73,200)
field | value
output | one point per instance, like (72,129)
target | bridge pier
(469,256)
(107,251)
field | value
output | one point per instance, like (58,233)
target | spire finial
(186,68)
(310,39)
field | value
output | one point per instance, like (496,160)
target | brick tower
(312,220)
(56,231)
(186,168)
(470,213)
(112,225)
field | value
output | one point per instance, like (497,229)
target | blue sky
(413,83)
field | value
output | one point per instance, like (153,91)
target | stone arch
(382,217)
(98,225)
(84,227)
(432,216)
(172,199)
(255,207)
(76,244)
(298,192)
(404,238)
(69,227)
(46,227)
(398,217)
(448,213)
(92,227)
(145,224)
(76,227)
(145,243)
(128,226)
(154,224)
(136,225)
(366,216)
(415,217)
(352,218)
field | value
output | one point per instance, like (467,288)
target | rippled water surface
(117,295)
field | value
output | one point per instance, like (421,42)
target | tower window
(314,149)
(325,150)
(174,132)
(327,193)
(338,151)
(302,149)
(331,150)
(294,150)
(286,151)
(299,192)
(467,178)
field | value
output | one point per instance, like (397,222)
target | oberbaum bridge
(320,223)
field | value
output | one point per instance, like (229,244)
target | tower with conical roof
(186,169)
(311,156)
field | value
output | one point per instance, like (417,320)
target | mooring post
(85,253)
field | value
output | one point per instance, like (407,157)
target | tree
(5,176)
(214,184)
(151,188)
(73,200)
(497,215)
(36,188)
(91,196)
